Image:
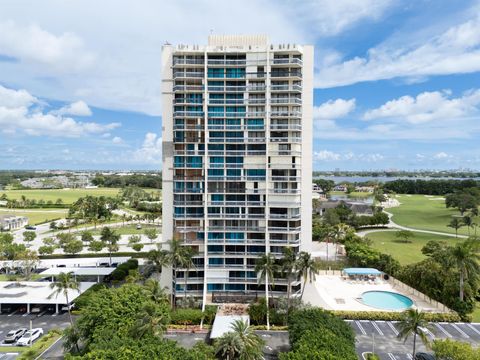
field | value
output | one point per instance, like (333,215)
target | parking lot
(46,321)
(382,335)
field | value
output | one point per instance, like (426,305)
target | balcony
(188,74)
(254,88)
(295,114)
(185,101)
(214,88)
(285,191)
(189,88)
(293,88)
(285,127)
(188,114)
(222,62)
(286,139)
(227,101)
(256,101)
(239,114)
(286,101)
(287,61)
(177,61)
(285,74)
(284,216)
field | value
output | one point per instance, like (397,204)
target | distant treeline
(153,181)
(13,177)
(428,187)
(432,174)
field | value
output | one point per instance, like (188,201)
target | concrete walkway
(393,226)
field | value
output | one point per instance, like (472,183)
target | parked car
(30,336)
(139,227)
(30,227)
(14,335)
(424,356)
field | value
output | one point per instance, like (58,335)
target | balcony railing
(285,127)
(226,62)
(286,87)
(179,88)
(286,113)
(188,74)
(187,101)
(287,61)
(215,88)
(178,114)
(286,100)
(286,139)
(177,61)
(227,101)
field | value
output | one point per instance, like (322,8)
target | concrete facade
(237,158)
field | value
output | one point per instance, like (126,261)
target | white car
(29,337)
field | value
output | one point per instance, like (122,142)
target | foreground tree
(456,224)
(289,264)
(241,343)
(412,324)
(63,284)
(266,267)
(110,238)
(308,268)
(466,257)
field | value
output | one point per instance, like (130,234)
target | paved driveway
(382,335)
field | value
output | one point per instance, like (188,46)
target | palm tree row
(292,265)
(178,257)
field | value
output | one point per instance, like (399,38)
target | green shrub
(371,356)
(186,317)
(209,315)
(393,316)
(84,298)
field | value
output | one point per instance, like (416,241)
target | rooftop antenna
(167,43)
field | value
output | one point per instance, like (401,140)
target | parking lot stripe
(460,331)
(443,330)
(380,332)
(410,356)
(473,328)
(391,356)
(432,335)
(360,327)
(390,325)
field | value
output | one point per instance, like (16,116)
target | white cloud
(31,43)
(333,109)
(151,150)
(325,155)
(331,17)
(427,106)
(117,140)
(17,114)
(113,61)
(456,50)
(77,108)
(441,155)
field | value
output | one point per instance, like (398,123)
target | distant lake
(365,200)
(382,179)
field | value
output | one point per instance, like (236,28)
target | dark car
(424,356)
(30,227)
(14,335)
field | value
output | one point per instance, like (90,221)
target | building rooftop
(35,292)
(79,271)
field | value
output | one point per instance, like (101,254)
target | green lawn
(68,196)
(426,213)
(405,253)
(36,216)
(127,230)
(354,194)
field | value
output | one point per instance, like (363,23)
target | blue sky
(397,83)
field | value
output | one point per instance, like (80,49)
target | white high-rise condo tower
(237,160)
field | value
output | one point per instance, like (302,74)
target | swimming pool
(386,300)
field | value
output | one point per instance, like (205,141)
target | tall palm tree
(339,232)
(466,257)
(241,343)
(110,238)
(307,267)
(266,267)
(456,224)
(468,222)
(155,291)
(412,324)
(289,263)
(64,283)
(158,259)
(187,264)
(177,256)
(150,320)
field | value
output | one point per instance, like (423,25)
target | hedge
(122,270)
(393,316)
(193,316)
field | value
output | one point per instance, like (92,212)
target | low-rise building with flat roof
(12,222)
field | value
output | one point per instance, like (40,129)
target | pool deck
(332,292)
